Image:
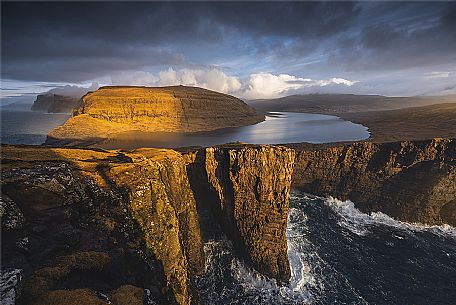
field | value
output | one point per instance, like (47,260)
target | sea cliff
(99,227)
(413,181)
(247,188)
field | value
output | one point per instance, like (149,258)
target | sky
(251,50)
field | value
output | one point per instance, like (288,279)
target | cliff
(413,181)
(84,226)
(54,103)
(98,227)
(247,188)
(114,110)
(82,222)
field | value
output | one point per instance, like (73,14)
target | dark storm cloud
(77,41)
(418,35)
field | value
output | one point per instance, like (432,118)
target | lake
(278,128)
(28,127)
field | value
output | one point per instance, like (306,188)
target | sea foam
(360,223)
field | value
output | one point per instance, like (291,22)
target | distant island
(55,103)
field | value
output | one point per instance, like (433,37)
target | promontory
(113,110)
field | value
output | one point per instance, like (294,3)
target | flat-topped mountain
(113,110)
(55,103)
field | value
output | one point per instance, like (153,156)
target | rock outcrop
(162,203)
(85,222)
(54,103)
(413,181)
(104,227)
(115,110)
(247,188)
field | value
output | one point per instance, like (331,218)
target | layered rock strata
(413,181)
(104,227)
(110,111)
(80,223)
(247,188)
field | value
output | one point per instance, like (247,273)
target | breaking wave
(338,254)
(360,223)
(229,281)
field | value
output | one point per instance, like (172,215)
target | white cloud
(258,85)
(267,85)
(437,75)
(336,81)
(212,79)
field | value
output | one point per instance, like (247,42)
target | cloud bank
(212,79)
(267,85)
(258,85)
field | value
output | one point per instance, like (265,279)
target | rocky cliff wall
(162,203)
(79,223)
(412,181)
(98,227)
(247,189)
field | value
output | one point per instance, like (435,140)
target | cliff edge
(247,189)
(78,223)
(87,226)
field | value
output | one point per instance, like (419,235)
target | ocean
(22,126)
(339,255)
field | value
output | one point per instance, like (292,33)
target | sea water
(28,127)
(339,255)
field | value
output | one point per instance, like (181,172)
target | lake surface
(339,255)
(29,127)
(278,128)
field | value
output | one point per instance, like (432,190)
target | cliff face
(80,222)
(98,227)
(162,203)
(113,110)
(54,103)
(411,181)
(247,189)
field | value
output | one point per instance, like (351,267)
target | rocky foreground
(106,227)
(97,227)
(110,111)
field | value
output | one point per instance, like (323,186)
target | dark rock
(11,282)
(11,215)
(412,181)
(54,103)
(128,295)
